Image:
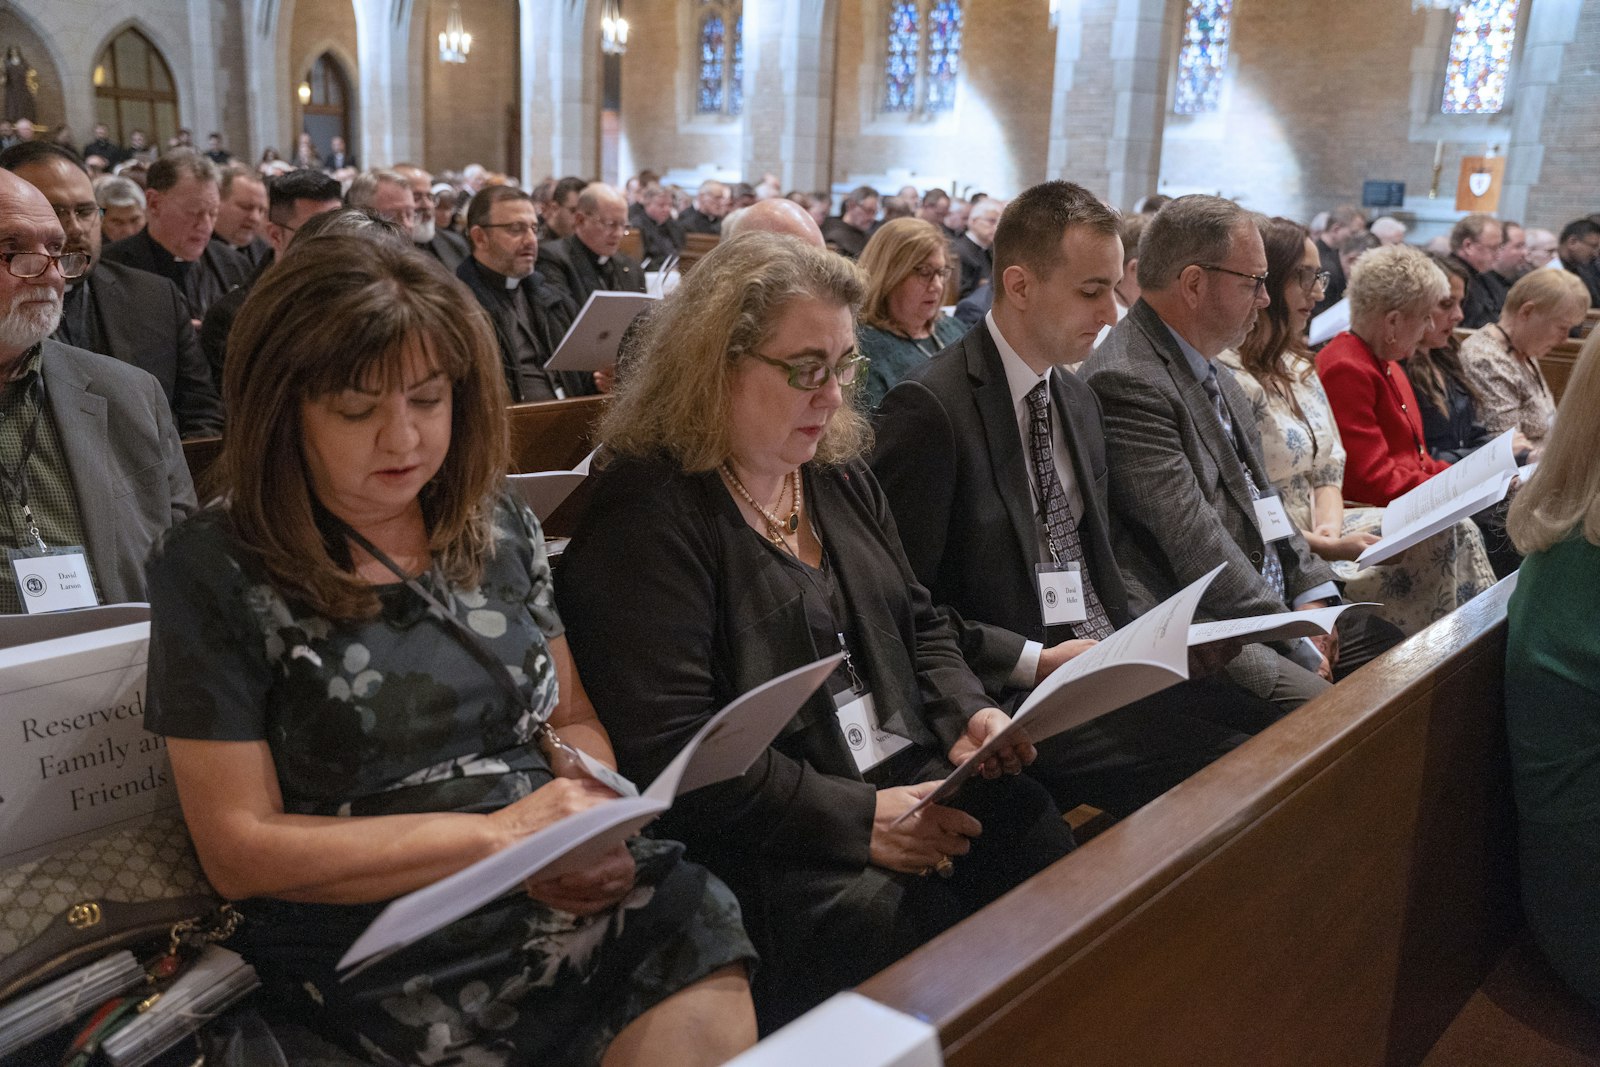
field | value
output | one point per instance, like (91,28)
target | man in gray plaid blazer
(1186,469)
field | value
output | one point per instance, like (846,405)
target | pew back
(1330,893)
(696,245)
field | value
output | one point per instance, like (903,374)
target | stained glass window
(905,49)
(720,89)
(1480,57)
(944,55)
(922,56)
(1203,56)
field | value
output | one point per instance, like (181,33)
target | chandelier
(613,29)
(455,42)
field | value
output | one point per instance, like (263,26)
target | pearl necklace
(776,528)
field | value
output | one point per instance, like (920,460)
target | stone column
(1548,52)
(788,116)
(560,48)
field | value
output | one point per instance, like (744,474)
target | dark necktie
(1271,565)
(1060,529)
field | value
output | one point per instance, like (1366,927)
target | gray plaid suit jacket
(1179,500)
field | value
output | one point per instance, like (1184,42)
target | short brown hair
(1471,227)
(485,199)
(896,249)
(1032,225)
(676,397)
(336,312)
(173,167)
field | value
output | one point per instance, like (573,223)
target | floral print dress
(1303,453)
(392,716)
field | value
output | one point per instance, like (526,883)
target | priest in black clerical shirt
(182,199)
(114,310)
(710,204)
(589,260)
(529,315)
(847,233)
(660,234)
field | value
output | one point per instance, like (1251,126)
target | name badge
(869,743)
(1272,520)
(54,579)
(1061,594)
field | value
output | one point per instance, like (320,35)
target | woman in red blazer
(1394,293)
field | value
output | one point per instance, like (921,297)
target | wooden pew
(632,245)
(1330,893)
(1558,364)
(696,245)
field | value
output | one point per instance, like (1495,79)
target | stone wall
(659,128)
(467,103)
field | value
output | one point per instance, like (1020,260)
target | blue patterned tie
(1059,526)
(1271,566)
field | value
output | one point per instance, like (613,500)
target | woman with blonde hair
(1305,462)
(1394,293)
(1502,358)
(1552,685)
(735,534)
(901,325)
(357,662)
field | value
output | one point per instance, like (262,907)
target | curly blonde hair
(1396,278)
(675,399)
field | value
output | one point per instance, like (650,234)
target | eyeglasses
(812,374)
(609,227)
(928,274)
(1311,278)
(515,229)
(33,264)
(83,213)
(1259,279)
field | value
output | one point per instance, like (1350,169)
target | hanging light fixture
(304,93)
(455,42)
(613,29)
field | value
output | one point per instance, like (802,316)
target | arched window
(720,37)
(1203,56)
(922,56)
(1480,57)
(326,114)
(133,89)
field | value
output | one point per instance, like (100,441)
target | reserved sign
(75,759)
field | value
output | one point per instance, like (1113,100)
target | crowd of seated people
(370,674)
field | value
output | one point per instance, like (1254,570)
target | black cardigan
(674,606)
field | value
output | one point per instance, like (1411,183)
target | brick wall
(316,25)
(998,138)
(659,129)
(467,120)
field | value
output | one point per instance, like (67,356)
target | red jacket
(1385,452)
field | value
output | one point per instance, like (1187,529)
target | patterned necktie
(1271,565)
(1059,526)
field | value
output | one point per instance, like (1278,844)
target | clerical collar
(495,278)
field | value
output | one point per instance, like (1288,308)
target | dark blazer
(693,220)
(1478,306)
(144,321)
(448,247)
(977,264)
(661,240)
(218,269)
(1179,500)
(954,468)
(669,627)
(127,465)
(844,238)
(568,265)
(1334,291)
(554,317)
(1453,433)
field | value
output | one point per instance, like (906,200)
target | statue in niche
(22,86)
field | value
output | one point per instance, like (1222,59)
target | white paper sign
(1061,595)
(58,581)
(592,342)
(75,758)
(1479,481)
(1272,520)
(868,742)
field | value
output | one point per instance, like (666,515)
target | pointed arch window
(922,57)
(1479,65)
(719,25)
(1203,56)
(134,90)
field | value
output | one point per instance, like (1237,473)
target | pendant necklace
(776,528)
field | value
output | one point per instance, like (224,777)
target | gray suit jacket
(125,459)
(1179,500)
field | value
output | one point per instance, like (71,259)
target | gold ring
(946,867)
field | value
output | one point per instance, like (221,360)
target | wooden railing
(1330,893)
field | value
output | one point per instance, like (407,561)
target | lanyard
(564,761)
(15,482)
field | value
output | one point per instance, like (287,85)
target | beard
(422,230)
(26,324)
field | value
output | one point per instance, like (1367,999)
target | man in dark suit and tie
(339,158)
(993,459)
(588,260)
(115,310)
(182,200)
(99,467)
(1189,487)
